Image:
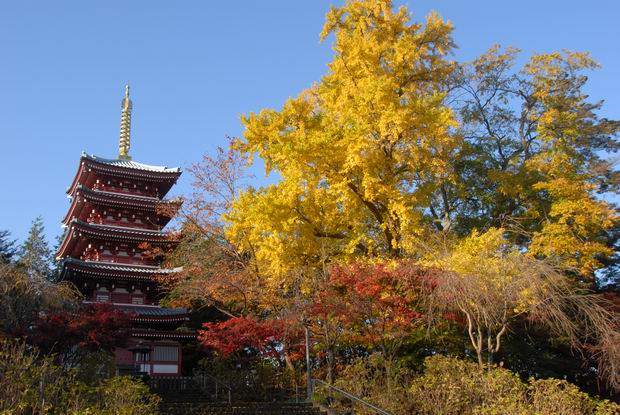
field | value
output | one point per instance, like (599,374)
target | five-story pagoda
(113,226)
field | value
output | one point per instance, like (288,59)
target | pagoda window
(102,296)
(122,253)
(166,354)
(120,296)
(137,299)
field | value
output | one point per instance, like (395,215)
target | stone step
(242,408)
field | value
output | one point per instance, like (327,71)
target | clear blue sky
(195,66)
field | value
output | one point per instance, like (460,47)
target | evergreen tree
(35,254)
(56,264)
(7,247)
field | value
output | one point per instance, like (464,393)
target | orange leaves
(267,338)
(377,305)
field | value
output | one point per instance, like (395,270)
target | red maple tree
(374,305)
(71,335)
(273,338)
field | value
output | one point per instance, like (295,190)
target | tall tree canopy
(397,141)
(535,153)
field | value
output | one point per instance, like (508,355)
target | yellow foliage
(372,157)
(358,154)
(576,221)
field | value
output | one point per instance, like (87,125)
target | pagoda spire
(124,141)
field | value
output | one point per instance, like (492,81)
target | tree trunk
(330,365)
(289,362)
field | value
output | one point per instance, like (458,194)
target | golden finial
(125,136)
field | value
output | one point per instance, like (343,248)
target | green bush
(33,384)
(452,386)
(122,395)
(376,381)
(455,386)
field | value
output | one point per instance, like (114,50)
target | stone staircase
(241,408)
(196,402)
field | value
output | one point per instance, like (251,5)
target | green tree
(35,255)
(536,154)
(56,265)
(7,247)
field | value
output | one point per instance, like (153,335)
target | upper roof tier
(94,170)
(130,164)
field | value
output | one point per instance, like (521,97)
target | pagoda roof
(121,200)
(151,313)
(154,313)
(130,164)
(120,232)
(109,270)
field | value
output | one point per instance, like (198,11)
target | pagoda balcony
(102,187)
(95,206)
(114,259)
(124,224)
(82,233)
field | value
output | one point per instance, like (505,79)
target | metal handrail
(350,396)
(217,382)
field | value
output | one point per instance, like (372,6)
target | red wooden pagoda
(113,218)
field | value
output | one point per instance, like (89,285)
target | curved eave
(161,334)
(154,314)
(110,271)
(129,164)
(162,319)
(77,179)
(108,232)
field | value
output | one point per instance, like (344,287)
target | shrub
(31,383)
(453,386)
(367,378)
(123,395)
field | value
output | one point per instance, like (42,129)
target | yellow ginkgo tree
(360,153)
